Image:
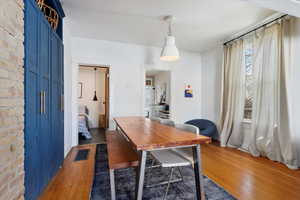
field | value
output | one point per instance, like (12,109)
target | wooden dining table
(145,135)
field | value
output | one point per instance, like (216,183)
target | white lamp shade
(169,51)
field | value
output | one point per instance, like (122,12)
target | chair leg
(170,178)
(150,169)
(176,180)
(152,164)
(180,172)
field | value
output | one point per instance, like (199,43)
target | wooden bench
(75,179)
(120,155)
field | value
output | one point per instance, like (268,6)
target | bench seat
(120,156)
(120,153)
(74,180)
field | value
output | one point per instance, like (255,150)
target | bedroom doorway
(93,103)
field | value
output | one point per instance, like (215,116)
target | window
(249,81)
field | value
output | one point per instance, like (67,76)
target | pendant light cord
(95,95)
(95,78)
(170,29)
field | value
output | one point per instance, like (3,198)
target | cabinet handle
(41,102)
(44,102)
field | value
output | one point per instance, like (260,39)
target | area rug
(125,183)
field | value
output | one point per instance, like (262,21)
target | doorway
(157,94)
(93,104)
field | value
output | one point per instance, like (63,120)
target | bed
(83,122)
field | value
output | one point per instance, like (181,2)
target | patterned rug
(125,183)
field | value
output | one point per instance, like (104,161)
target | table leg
(140,175)
(112,184)
(198,173)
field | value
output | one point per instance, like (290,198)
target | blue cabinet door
(32,102)
(61,91)
(43,89)
(44,131)
(57,100)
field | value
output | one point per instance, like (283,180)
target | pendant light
(169,51)
(95,95)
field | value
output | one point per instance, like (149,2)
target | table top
(145,134)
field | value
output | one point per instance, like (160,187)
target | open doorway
(93,104)
(158,94)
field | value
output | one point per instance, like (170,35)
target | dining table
(145,135)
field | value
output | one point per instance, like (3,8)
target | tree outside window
(249,82)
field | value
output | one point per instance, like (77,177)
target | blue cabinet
(57,100)
(44,131)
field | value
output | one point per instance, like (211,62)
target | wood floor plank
(74,180)
(247,177)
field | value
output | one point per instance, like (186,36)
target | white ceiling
(285,6)
(200,24)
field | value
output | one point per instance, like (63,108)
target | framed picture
(79,90)
(149,81)
(188,92)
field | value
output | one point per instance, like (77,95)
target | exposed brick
(8,121)
(5,83)
(17,180)
(5,178)
(3,191)
(3,73)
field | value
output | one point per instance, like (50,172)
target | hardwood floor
(250,178)
(75,179)
(243,176)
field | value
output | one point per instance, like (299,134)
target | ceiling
(199,25)
(285,6)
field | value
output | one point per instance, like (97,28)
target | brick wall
(11,100)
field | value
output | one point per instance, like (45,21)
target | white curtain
(271,124)
(233,94)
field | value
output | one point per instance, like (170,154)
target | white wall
(96,108)
(186,72)
(128,63)
(68,139)
(211,83)
(124,62)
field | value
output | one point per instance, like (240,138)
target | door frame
(171,82)
(107,88)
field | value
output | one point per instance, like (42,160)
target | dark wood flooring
(98,137)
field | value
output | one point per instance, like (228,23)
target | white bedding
(82,126)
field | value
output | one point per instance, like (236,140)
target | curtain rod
(255,29)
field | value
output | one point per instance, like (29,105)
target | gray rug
(125,183)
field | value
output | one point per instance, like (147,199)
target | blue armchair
(206,127)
